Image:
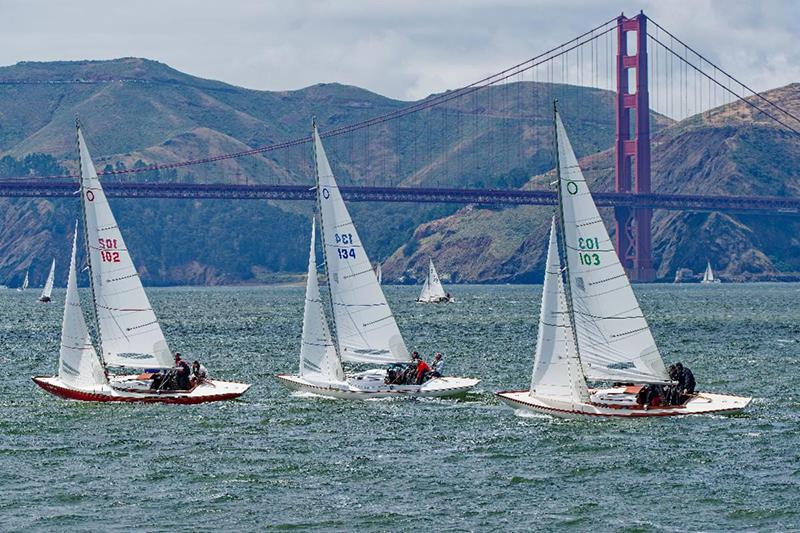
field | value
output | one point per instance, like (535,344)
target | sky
(403,49)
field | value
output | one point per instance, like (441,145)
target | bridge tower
(632,168)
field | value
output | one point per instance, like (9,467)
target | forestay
(318,359)
(78,364)
(129,331)
(557,371)
(614,339)
(365,328)
(47,291)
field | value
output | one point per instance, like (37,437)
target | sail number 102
(107,255)
(588,243)
(345,238)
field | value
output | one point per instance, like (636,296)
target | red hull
(72,394)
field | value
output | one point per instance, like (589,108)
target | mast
(99,340)
(562,240)
(332,323)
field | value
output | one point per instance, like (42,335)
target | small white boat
(24,285)
(708,275)
(363,327)
(130,336)
(47,291)
(591,327)
(379,274)
(432,290)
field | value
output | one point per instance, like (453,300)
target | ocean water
(278,460)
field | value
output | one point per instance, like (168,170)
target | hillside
(720,152)
(138,112)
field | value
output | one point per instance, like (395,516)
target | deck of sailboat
(435,388)
(702,403)
(210,391)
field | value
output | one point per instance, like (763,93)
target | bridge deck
(683,202)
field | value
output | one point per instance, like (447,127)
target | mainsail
(364,326)
(24,282)
(557,370)
(379,274)
(318,358)
(48,285)
(129,331)
(78,364)
(614,340)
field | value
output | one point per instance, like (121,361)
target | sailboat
(47,291)
(129,334)
(708,275)
(379,274)
(591,328)
(24,285)
(363,328)
(432,290)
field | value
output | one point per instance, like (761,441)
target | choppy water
(273,459)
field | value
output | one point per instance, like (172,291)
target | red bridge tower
(633,147)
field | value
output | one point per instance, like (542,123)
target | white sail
(24,282)
(379,274)
(557,370)
(708,276)
(365,328)
(48,285)
(130,334)
(614,340)
(78,364)
(318,359)
(425,293)
(434,283)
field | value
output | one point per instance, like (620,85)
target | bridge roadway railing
(771,205)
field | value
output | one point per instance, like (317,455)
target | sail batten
(130,334)
(614,339)
(365,328)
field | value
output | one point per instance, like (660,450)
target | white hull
(702,403)
(711,282)
(129,389)
(355,389)
(442,300)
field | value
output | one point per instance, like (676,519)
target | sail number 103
(588,243)
(107,255)
(345,238)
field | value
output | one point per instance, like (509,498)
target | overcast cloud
(405,49)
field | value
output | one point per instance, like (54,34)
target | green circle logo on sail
(572,187)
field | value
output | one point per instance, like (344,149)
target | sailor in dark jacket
(686,380)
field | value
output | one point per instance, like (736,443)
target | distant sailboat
(708,275)
(591,327)
(24,285)
(363,329)
(128,331)
(48,285)
(379,274)
(432,290)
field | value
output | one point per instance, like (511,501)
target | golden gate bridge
(652,74)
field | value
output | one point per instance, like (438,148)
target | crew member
(422,371)
(686,380)
(437,366)
(199,372)
(182,372)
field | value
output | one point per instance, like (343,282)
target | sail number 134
(345,238)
